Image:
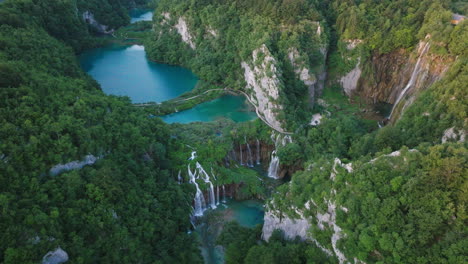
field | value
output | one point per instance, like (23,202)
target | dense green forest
(225,34)
(408,207)
(405,207)
(52,113)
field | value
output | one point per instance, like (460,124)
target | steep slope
(403,206)
(275,57)
(420,47)
(55,120)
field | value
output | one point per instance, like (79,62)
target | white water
(415,73)
(241,160)
(217,195)
(207,180)
(199,200)
(193,155)
(224,195)
(274,166)
(249,154)
(179,178)
(258,152)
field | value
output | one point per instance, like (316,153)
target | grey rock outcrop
(55,257)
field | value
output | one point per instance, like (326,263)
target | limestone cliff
(298,221)
(233,51)
(179,25)
(263,85)
(88,17)
(397,77)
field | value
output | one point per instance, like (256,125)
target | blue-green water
(247,213)
(125,71)
(140,15)
(228,106)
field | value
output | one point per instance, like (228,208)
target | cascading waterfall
(414,75)
(199,200)
(217,195)
(179,178)
(274,166)
(206,178)
(224,195)
(258,152)
(241,160)
(193,155)
(249,154)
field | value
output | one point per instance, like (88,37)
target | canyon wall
(396,77)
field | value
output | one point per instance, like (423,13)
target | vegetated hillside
(392,51)
(272,50)
(64,19)
(127,207)
(376,205)
(407,206)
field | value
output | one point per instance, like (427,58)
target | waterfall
(414,75)
(217,195)
(249,154)
(206,178)
(179,178)
(193,155)
(274,166)
(224,195)
(258,152)
(199,200)
(240,149)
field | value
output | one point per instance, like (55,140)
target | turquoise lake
(248,213)
(125,71)
(228,106)
(140,15)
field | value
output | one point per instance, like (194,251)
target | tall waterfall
(224,195)
(199,200)
(241,160)
(279,140)
(207,180)
(258,152)
(249,154)
(414,75)
(217,195)
(179,178)
(274,166)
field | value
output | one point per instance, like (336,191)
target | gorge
(206,131)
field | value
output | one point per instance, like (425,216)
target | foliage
(52,113)
(226,34)
(440,107)
(406,208)
(242,246)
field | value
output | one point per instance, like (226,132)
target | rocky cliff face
(399,74)
(88,17)
(263,85)
(247,57)
(314,83)
(298,221)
